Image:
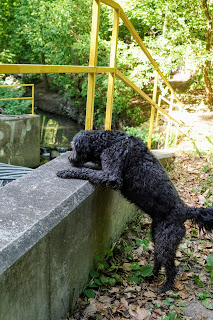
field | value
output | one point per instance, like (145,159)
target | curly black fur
(127,165)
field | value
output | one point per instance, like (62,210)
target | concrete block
(166,157)
(20,140)
(50,231)
(24,286)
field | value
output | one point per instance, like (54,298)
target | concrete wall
(20,140)
(50,231)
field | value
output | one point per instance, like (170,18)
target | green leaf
(127,249)
(195,233)
(207,303)
(112,281)
(137,280)
(113,267)
(93,273)
(204,295)
(139,242)
(101,266)
(146,271)
(209,260)
(168,301)
(135,266)
(198,281)
(108,252)
(90,293)
(98,282)
(104,280)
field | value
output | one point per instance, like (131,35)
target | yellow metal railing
(20,98)
(93,69)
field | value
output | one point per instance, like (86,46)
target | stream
(56,134)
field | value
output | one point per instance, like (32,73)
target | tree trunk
(208,86)
(207,64)
(44,75)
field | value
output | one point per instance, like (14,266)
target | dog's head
(88,145)
(81,149)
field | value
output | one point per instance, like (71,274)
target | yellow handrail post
(157,115)
(33,91)
(111,81)
(169,122)
(92,62)
(177,126)
(154,98)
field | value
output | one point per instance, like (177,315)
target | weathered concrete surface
(20,140)
(50,231)
(166,157)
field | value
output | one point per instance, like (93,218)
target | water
(57,131)
(56,134)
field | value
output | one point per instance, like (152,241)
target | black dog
(129,166)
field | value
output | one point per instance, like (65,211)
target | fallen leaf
(126,267)
(202,199)
(179,285)
(90,310)
(149,294)
(142,313)
(184,276)
(105,299)
(158,312)
(132,289)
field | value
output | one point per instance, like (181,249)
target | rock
(197,311)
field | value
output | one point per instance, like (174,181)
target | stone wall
(20,140)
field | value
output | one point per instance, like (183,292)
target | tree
(207,64)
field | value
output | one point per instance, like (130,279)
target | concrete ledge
(166,157)
(50,231)
(20,140)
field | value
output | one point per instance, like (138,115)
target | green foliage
(197,280)
(209,265)
(172,316)
(138,272)
(58,32)
(142,132)
(204,297)
(13,107)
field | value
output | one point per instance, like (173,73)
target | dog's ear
(82,144)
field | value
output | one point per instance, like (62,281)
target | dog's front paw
(64,174)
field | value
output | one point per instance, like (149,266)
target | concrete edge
(23,238)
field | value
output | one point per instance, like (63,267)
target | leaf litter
(121,286)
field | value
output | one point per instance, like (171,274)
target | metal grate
(9,173)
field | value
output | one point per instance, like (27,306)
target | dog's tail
(203,217)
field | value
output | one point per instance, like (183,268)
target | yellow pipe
(111,81)
(154,98)
(39,68)
(93,63)
(144,95)
(33,99)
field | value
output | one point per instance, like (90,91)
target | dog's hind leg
(166,239)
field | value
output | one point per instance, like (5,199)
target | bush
(13,107)
(142,132)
